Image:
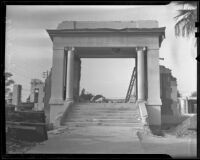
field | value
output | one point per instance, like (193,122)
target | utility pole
(45,74)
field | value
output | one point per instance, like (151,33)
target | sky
(29,48)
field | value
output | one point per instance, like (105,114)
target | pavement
(112,140)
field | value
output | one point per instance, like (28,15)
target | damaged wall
(168,87)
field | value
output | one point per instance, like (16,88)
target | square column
(77,74)
(57,77)
(70,74)
(140,74)
(153,91)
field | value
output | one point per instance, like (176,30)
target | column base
(69,100)
(143,112)
(156,130)
(58,114)
(58,101)
(154,114)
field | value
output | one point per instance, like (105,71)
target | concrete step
(105,106)
(103,111)
(104,116)
(106,109)
(134,125)
(136,120)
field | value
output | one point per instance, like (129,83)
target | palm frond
(185,12)
(9,82)
(185,24)
(190,3)
(184,28)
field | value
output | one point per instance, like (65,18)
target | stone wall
(47,90)
(168,87)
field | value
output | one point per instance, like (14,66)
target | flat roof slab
(107,24)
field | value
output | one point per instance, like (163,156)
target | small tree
(8,82)
(194,94)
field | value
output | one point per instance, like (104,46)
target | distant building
(16,96)
(187,105)
(192,105)
(9,98)
(37,94)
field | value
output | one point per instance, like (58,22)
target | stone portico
(73,40)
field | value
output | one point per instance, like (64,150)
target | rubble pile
(188,126)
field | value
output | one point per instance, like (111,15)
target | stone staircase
(104,114)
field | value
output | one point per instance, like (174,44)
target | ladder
(130,88)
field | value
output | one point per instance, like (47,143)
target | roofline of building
(160,31)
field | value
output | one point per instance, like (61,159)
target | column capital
(69,48)
(140,48)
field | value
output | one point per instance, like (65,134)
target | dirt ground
(109,140)
(18,146)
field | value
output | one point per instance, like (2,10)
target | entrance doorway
(108,77)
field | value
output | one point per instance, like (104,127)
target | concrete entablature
(107,34)
(108,24)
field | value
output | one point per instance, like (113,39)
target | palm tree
(186,18)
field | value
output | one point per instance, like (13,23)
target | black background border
(77,156)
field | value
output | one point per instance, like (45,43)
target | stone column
(153,92)
(57,77)
(70,74)
(140,74)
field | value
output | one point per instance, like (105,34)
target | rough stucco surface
(108,24)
